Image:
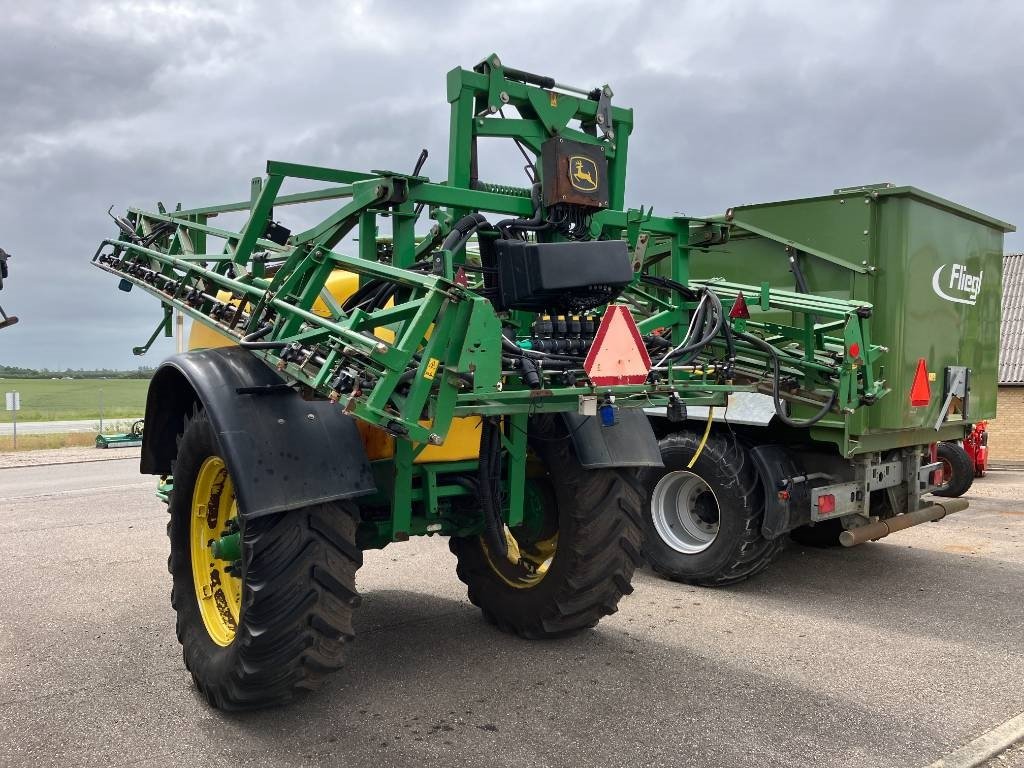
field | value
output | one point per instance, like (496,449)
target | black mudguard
(283,452)
(786,505)
(629,443)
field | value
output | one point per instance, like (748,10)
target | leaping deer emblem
(584,179)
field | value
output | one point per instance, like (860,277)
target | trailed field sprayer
(484,380)
(928,273)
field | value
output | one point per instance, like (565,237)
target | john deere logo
(583,173)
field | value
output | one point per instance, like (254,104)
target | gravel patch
(65,456)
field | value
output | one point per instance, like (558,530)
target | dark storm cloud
(131,102)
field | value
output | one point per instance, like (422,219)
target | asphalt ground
(890,654)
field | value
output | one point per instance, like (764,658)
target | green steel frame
(448,338)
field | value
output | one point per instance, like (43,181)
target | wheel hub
(536,551)
(685,512)
(215,547)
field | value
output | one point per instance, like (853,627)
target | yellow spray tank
(463,441)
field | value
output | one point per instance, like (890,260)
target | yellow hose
(703,440)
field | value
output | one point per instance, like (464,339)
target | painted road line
(985,747)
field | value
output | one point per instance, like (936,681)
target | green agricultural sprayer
(459,358)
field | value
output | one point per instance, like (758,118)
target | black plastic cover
(565,277)
(283,452)
(629,443)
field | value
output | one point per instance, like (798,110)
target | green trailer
(930,271)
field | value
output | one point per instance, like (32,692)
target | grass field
(68,399)
(40,442)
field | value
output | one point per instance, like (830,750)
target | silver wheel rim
(674,509)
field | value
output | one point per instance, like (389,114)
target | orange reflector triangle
(618,355)
(921,391)
(739,308)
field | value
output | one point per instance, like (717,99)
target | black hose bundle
(776,375)
(571,220)
(490,487)
(372,295)
(706,324)
(463,229)
(665,282)
(514,227)
(376,293)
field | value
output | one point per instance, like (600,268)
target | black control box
(561,277)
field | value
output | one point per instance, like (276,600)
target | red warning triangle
(921,391)
(618,355)
(739,308)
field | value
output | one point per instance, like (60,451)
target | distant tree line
(14,372)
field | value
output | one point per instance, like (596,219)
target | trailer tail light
(826,504)
(920,391)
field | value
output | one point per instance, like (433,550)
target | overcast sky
(133,102)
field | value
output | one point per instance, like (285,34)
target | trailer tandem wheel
(703,523)
(957,470)
(264,606)
(579,554)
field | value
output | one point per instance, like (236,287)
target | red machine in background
(976,447)
(962,463)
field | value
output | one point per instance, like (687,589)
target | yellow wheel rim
(534,557)
(533,566)
(214,513)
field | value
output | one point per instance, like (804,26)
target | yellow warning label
(431,368)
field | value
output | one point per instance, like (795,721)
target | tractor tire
(584,553)
(957,470)
(716,540)
(259,629)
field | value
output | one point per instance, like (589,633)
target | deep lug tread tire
(739,551)
(963,470)
(599,539)
(298,593)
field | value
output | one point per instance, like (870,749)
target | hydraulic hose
(776,399)
(490,487)
(534,224)
(704,439)
(708,322)
(513,348)
(730,348)
(251,341)
(463,230)
(664,282)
